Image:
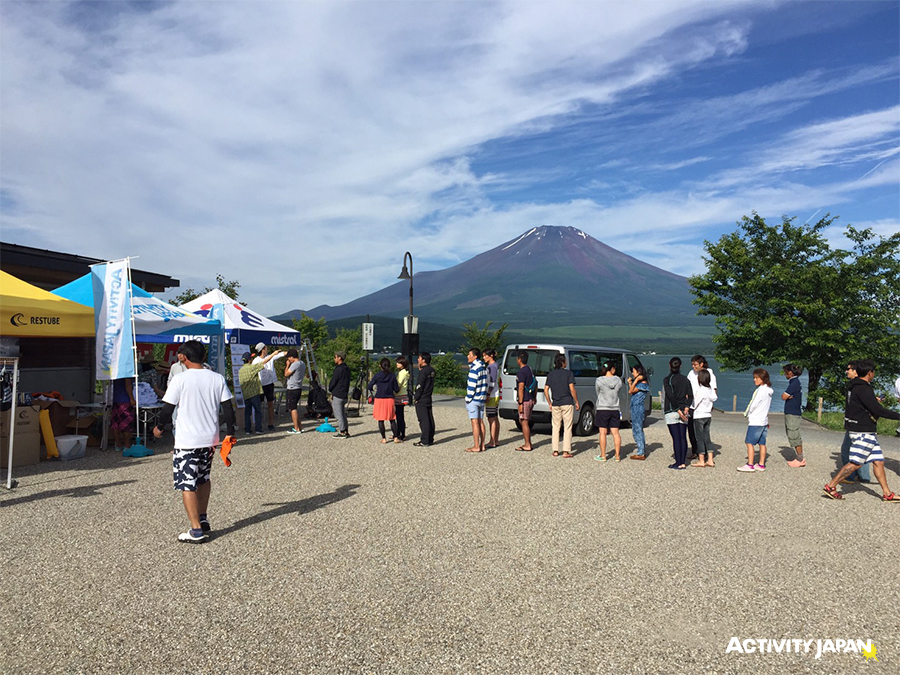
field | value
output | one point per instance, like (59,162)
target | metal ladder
(306,350)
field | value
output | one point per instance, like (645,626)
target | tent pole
(10,484)
(137,402)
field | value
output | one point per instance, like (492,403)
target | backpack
(317,404)
(531,387)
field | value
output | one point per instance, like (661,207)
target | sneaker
(189,538)
(759,467)
(600,458)
(294,431)
(271,427)
(205,526)
(796,463)
(747,468)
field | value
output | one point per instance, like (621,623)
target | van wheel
(585,421)
(519,424)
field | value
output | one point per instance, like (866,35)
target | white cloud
(302,147)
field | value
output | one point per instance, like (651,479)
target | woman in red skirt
(385,385)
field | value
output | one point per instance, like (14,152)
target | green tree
(346,340)
(447,372)
(483,338)
(314,331)
(229,288)
(781,293)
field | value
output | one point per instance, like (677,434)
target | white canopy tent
(243,325)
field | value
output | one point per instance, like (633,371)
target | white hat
(260,346)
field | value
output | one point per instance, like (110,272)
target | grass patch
(449,391)
(835,422)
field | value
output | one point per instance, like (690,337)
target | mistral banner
(112,318)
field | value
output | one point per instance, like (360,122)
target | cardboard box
(26,449)
(61,412)
(84,428)
(27,420)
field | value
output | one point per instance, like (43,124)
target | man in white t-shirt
(268,378)
(698,363)
(197,393)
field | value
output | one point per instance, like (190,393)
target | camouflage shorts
(191,468)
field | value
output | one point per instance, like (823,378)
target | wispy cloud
(302,147)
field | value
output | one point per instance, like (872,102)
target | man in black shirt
(339,386)
(860,421)
(422,398)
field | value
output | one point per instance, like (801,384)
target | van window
(539,360)
(584,364)
(614,360)
(632,362)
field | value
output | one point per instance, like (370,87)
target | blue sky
(301,148)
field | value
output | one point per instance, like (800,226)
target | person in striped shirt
(476,397)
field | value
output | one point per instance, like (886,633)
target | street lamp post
(410,330)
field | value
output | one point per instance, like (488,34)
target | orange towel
(227,445)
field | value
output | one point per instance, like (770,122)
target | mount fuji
(554,281)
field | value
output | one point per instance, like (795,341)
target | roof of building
(51,269)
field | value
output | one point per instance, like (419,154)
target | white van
(584,362)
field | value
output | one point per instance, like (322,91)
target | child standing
(757,414)
(704,397)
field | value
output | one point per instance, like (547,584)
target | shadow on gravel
(650,448)
(83,491)
(300,506)
(441,439)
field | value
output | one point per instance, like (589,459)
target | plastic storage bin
(71,447)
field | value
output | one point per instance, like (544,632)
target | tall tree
(483,338)
(311,329)
(780,292)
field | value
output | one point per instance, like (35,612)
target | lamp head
(405,273)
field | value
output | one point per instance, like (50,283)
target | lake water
(730,383)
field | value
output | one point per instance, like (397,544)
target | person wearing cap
(339,386)
(267,380)
(149,371)
(251,389)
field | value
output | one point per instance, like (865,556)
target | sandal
(567,455)
(556,453)
(890,498)
(834,494)
(524,449)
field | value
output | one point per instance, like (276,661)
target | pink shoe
(796,463)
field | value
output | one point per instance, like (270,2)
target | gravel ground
(335,556)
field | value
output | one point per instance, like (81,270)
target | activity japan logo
(816,647)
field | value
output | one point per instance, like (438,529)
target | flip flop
(556,453)
(524,449)
(567,455)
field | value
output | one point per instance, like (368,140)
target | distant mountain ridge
(548,276)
